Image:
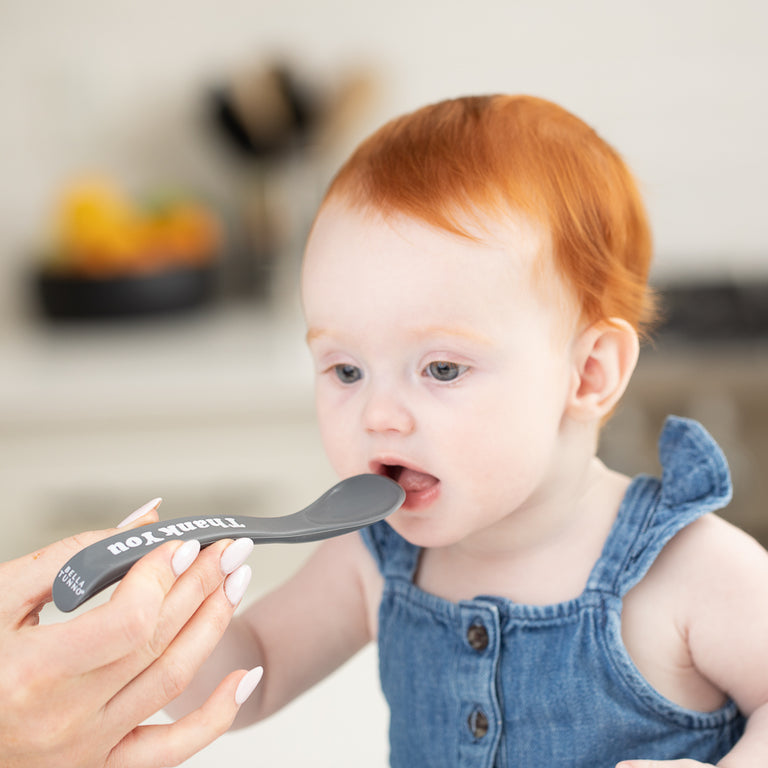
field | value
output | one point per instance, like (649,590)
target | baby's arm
(721,575)
(728,630)
(299,633)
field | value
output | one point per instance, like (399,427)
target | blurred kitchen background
(161,162)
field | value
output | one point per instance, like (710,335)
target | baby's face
(437,363)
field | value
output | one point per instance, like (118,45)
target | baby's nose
(386,411)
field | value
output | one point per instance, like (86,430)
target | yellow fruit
(100,231)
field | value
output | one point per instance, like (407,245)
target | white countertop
(217,363)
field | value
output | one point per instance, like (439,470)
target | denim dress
(490,682)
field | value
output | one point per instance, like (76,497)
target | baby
(475,287)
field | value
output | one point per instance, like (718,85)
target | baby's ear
(604,357)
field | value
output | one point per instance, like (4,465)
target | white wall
(677,85)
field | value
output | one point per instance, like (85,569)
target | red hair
(463,159)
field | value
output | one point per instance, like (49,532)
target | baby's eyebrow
(460,332)
(427,332)
(315,333)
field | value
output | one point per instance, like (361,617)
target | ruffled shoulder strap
(695,480)
(394,556)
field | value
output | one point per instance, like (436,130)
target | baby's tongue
(412,481)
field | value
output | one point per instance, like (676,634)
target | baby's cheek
(340,442)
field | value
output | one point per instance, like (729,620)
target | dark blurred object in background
(266,113)
(280,128)
(708,361)
(66,297)
(711,312)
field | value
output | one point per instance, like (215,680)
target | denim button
(477,637)
(478,723)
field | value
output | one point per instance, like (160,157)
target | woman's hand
(75,693)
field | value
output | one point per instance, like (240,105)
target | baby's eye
(348,374)
(442,370)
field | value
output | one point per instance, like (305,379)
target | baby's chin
(425,532)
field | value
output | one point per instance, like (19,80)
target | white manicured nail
(184,556)
(248,685)
(140,512)
(235,555)
(236,583)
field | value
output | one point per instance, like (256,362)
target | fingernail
(236,583)
(248,685)
(184,556)
(235,555)
(140,512)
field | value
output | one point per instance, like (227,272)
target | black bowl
(68,296)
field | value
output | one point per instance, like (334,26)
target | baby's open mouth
(410,480)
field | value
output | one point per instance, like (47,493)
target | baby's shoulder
(706,564)
(711,549)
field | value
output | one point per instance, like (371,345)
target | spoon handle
(99,565)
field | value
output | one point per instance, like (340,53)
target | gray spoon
(351,504)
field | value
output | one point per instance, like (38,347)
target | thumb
(27,581)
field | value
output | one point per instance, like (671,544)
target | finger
(121,626)
(170,676)
(153,746)
(197,584)
(187,595)
(27,580)
(166,678)
(191,590)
